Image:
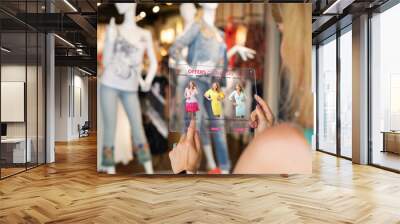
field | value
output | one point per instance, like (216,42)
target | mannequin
(124,49)
(214,54)
(188,12)
(133,34)
(209,10)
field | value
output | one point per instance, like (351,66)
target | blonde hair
(194,85)
(240,86)
(295,19)
(218,87)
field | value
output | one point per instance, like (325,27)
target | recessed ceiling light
(156,9)
(337,7)
(64,40)
(70,5)
(5,49)
(142,14)
(98,4)
(84,71)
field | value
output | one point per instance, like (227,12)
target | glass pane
(327,96)
(386,89)
(41,98)
(346,94)
(32,97)
(13,86)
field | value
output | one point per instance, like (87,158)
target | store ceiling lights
(65,41)
(70,5)
(5,50)
(142,14)
(98,4)
(156,9)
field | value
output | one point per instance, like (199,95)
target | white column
(50,110)
(50,92)
(360,90)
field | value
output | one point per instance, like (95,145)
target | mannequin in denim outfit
(206,47)
(125,46)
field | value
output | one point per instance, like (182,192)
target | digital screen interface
(218,99)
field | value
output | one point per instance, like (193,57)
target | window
(327,96)
(385,89)
(346,93)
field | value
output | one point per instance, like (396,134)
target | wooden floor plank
(71,191)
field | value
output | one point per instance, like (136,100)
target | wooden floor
(70,191)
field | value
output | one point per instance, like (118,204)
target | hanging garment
(155,123)
(255,40)
(230,38)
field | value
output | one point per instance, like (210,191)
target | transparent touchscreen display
(218,99)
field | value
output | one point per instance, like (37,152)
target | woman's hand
(186,155)
(262,117)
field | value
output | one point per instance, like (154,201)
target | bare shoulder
(280,149)
(284,133)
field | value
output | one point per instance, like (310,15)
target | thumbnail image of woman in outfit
(238,98)
(215,95)
(191,93)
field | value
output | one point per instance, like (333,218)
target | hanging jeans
(108,99)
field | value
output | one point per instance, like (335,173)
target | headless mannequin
(137,37)
(209,18)
(188,12)
(132,33)
(209,12)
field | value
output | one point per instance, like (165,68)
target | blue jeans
(205,112)
(108,99)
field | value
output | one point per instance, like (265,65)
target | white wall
(33,127)
(71,102)
(12,73)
